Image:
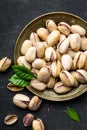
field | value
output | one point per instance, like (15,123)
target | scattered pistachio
(10,119)
(28,119)
(4,64)
(35,103)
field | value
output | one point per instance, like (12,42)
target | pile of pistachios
(57,55)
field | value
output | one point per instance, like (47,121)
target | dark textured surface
(14,15)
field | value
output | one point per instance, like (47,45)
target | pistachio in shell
(10,119)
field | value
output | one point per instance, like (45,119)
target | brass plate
(33,26)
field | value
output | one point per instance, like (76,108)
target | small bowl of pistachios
(53,47)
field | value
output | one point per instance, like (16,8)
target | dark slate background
(14,15)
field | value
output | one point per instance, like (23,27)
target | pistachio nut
(14,88)
(42,33)
(30,54)
(35,103)
(53,38)
(40,48)
(66,61)
(22,61)
(75,41)
(76,83)
(4,64)
(10,119)
(44,74)
(21,100)
(63,46)
(56,68)
(38,124)
(51,82)
(60,88)
(38,63)
(34,38)
(50,54)
(28,119)
(64,28)
(81,75)
(36,84)
(84,43)
(51,25)
(78,29)
(71,52)
(80,60)
(67,78)
(26,44)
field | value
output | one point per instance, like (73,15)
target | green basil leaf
(19,82)
(72,114)
(22,72)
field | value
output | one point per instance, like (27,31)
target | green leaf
(22,72)
(72,114)
(19,82)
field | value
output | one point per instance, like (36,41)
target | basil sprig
(73,114)
(22,76)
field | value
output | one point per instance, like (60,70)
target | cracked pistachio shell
(38,63)
(60,88)
(76,83)
(30,54)
(42,33)
(36,84)
(51,83)
(53,38)
(78,29)
(66,61)
(67,78)
(25,46)
(10,119)
(35,103)
(56,68)
(40,48)
(21,100)
(84,43)
(64,28)
(50,54)
(34,38)
(80,60)
(14,88)
(51,25)
(4,64)
(81,75)
(22,61)
(63,46)
(44,74)
(38,124)
(75,41)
